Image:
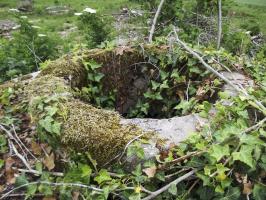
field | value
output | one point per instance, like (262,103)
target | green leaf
(94,65)
(172,189)
(46,123)
(155,85)
(31,190)
(21,180)
(259,192)
(98,77)
(51,111)
(86,171)
(2,162)
(137,171)
(206,179)
(219,151)
(250,140)
(103,176)
(38,167)
(244,155)
(56,128)
(45,189)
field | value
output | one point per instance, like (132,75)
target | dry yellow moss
(97,131)
(69,69)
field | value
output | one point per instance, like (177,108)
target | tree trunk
(155,20)
(219,36)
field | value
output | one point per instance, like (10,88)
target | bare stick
(21,157)
(155,20)
(22,144)
(166,187)
(52,184)
(208,67)
(219,36)
(35,172)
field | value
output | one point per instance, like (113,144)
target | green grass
(52,24)
(250,12)
(253,2)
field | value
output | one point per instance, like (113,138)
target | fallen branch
(166,187)
(35,172)
(208,67)
(51,184)
(21,157)
(155,20)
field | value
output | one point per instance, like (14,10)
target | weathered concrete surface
(239,80)
(173,130)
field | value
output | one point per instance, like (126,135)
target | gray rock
(7,25)
(57,10)
(239,80)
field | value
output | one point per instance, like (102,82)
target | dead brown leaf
(10,173)
(120,51)
(247,188)
(150,172)
(75,195)
(49,162)
(36,148)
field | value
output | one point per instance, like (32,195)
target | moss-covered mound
(84,128)
(95,130)
(68,68)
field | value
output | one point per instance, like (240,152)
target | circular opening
(151,85)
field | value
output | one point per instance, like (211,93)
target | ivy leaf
(244,155)
(86,171)
(98,77)
(46,123)
(172,189)
(155,85)
(2,162)
(51,111)
(56,128)
(31,190)
(21,180)
(103,176)
(251,140)
(259,192)
(219,151)
(45,189)
(94,65)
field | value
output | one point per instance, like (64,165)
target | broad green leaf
(245,155)
(51,110)
(219,151)
(94,65)
(2,162)
(31,190)
(172,189)
(56,127)
(46,123)
(45,189)
(86,171)
(103,176)
(259,192)
(155,85)
(21,180)
(250,140)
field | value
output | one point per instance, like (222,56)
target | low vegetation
(61,132)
